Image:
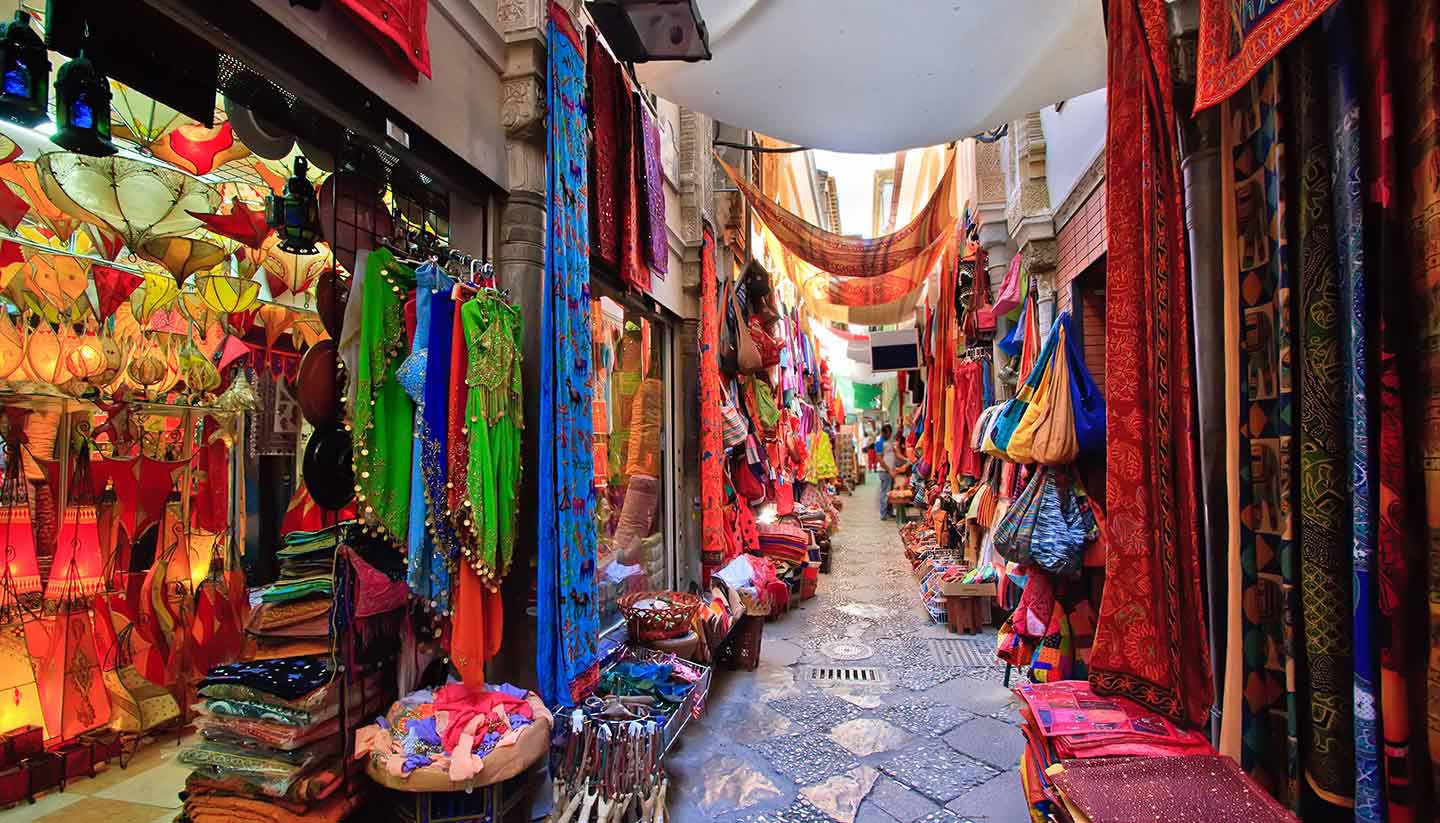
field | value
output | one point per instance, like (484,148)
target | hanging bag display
(1016,409)
(765,344)
(1055,443)
(1037,405)
(1016,527)
(747,354)
(733,428)
(1086,403)
(1060,528)
(1009,296)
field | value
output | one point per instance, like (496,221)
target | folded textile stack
(1187,787)
(785,543)
(454,738)
(272,742)
(293,615)
(1067,721)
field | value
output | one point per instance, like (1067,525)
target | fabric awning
(864,76)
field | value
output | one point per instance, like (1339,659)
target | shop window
(630,472)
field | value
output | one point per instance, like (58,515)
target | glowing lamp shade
(67,671)
(24,73)
(45,354)
(19,696)
(82,109)
(226,294)
(85,357)
(79,566)
(17,540)
(12,346)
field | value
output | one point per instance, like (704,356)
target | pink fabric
(466,705)
(376,593)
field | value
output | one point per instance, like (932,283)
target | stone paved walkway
(928,735)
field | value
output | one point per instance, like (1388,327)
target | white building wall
(1074,137)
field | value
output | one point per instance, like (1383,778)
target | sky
(854,176)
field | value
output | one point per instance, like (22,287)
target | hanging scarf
(1420,183)
(652,187)
(1328,756)
(430,577)
(604,84)
(1345,121)
(1148,644)
(712,483)
(1237,39)
(384,414)
(567,602)
(1258,284)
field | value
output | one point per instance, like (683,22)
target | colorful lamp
(85,357)
(45,354)
(22,571)
(82,109)
(24,73)
(67,670)
(227,294)
(19,696)
(296,213)
(78,569)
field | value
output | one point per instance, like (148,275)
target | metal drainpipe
(1200,167)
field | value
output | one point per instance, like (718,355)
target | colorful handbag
(1060,533)
(733,429)
(765,408)
(1016,528)
(765,344)
(1009,296)
(1087,404)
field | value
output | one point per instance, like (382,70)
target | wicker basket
(667,615)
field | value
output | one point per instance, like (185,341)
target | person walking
(885,449)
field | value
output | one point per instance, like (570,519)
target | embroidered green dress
(384,415)
(494,418)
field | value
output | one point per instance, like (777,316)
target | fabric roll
(1261,285)
(1345,119)
(1327,759)
(1147,645)
(1420,184)
(568,617)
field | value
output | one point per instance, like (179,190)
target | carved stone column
(1027,209)
(994,234)
(520,267)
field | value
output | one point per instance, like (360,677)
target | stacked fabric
(272,743)
(292,617)
(1189,787)
(1066,721)
(785,543)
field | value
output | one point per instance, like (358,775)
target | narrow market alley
(931,737)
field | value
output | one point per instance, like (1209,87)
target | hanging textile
(712,446)
(1236,39)
(567,619)
(633,269)
(1420,185)
(652,190)
(603,85)
(1259,376)
(1395,561)
(383,413)
(1345,119)
(1327,759)
(884,287)
(851,256)
(1148,644)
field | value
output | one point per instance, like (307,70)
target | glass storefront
(631,421)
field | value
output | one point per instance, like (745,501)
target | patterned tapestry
(1237,37)
(568,617)
(1420,182)
(712,446)
(1261,371)
(1148,646)
(1341,32)
(1328,758)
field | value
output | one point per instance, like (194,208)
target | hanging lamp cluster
(82,91)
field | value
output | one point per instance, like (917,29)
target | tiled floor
(145,791)
(928,742)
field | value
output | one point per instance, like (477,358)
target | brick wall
(1081,240)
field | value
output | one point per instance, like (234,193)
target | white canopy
(885,75)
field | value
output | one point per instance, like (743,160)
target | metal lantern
(296,214)
(641,31)
(24,73)
(82,109)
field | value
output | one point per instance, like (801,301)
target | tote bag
(1016,527)
(1022,439)
(1087,404)
(1054,440)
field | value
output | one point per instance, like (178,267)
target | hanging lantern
(82,109)
(19,696)
(67,670)
(24,73)
(78,568)
(22,571)
(12,345)
(147,367)
(45,354)
(114,361)
(296,213)
(227,294)
(85,357)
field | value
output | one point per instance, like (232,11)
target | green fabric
(495,416)
(384,422)
(765,403)
(858,396)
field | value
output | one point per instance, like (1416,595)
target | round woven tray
(659,615)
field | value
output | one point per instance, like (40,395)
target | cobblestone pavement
(930,735)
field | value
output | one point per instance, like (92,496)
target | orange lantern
(45,354)
(78,569)
(67,668)
(17,536)
(85,357)
(12,345)
(147,367)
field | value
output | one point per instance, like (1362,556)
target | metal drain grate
(956,652)
(848,675)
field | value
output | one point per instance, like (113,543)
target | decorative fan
(182,256)
(140,200)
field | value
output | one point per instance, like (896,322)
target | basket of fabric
(659,615)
